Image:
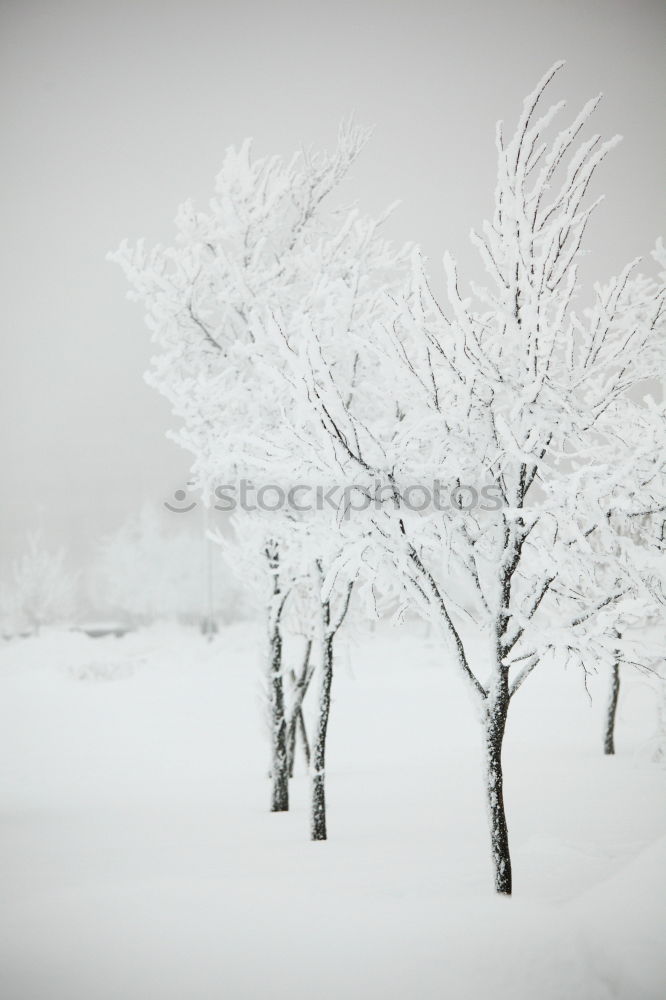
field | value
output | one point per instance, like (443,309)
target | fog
(114,113)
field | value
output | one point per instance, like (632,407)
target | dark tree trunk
(611,712)
(297,728)
(291,745)
(319,752)
(304,739)
(296,720)
(495,725)
(279,770)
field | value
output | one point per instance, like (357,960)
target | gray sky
(113,113)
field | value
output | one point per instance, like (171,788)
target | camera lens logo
(180,495)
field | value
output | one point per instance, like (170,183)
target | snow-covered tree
(659,738)
(299,347)
(259,252)
(645,527)
(517,389)
(42,589)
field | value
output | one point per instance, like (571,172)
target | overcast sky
(114,112)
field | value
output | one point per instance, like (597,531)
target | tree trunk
(495,725)
(304,738)
(611,711)
(279,769)
(297,727)
(291,745)
(660,736)
(319,750)
(296,721)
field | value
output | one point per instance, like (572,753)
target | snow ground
(139,862)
